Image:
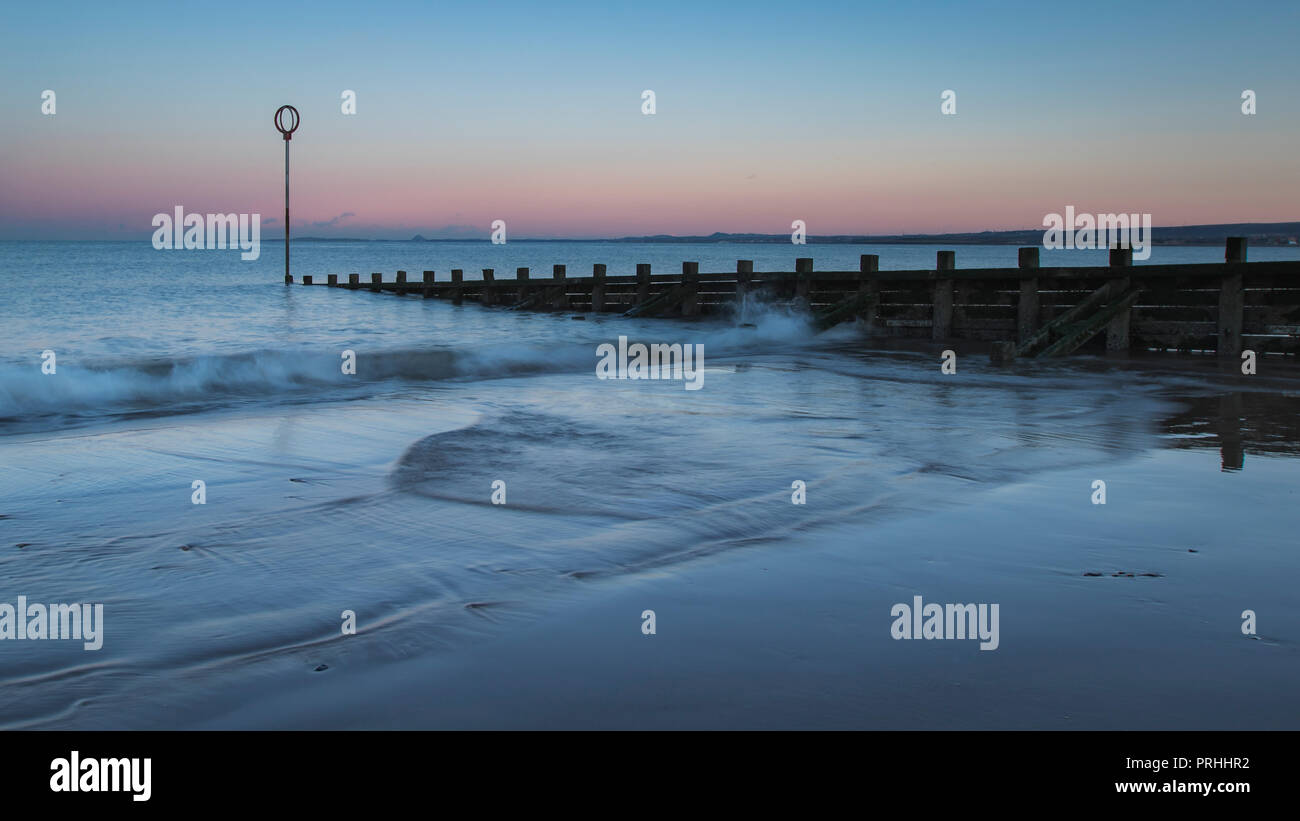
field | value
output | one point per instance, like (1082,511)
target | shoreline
(467,614)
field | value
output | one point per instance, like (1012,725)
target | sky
(531,113)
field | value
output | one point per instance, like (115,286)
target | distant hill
(1258,233)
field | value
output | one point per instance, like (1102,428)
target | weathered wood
(941,323)
(843,311)
(1117,330)
(1044,309)
(521,277)
(306,280)
(1231,302)
(869,286)
(1027,308)
(540,298)
(597,287)
(658,304)
(744,280)
(642,282)
(559,297)
(1002,353)
(803,273)
(690,288)
(1076,335)
(1061,324)
(332,280)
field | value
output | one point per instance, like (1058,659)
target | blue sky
(827,112)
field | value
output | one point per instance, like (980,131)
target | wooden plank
(1074,336)
(1044,336)
(850,308)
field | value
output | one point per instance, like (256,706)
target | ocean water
(371,492)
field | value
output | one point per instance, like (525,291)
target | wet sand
(974,490)
(800,637)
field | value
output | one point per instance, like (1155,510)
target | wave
(159,386)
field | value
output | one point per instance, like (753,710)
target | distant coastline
(1259,233)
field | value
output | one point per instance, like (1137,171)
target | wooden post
(1231,301)
(457,277)
(941,326)
(803,267)
(521,276)
(486,295)
(642,282)
(691,279)
(1027,310)
(354,280)
(1117,337)
(561,302)
(428,284)
(332,280)
(306,280)
(597,287)
(1002,353)
(401,283)
(744,279)
(375,281)
(869,284)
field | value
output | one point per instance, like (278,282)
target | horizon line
(840,238)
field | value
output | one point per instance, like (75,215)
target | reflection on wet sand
(1237,422)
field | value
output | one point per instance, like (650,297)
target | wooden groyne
(1026,311)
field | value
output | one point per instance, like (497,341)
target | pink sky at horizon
(575,194)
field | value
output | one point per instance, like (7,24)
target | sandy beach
(1123,615)
(799,638)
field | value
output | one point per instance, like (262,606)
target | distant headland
(1259,233)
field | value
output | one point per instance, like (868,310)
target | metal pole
(286,129)
(287,278)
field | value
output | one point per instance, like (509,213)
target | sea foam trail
(158,386)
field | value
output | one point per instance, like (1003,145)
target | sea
(180,442)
